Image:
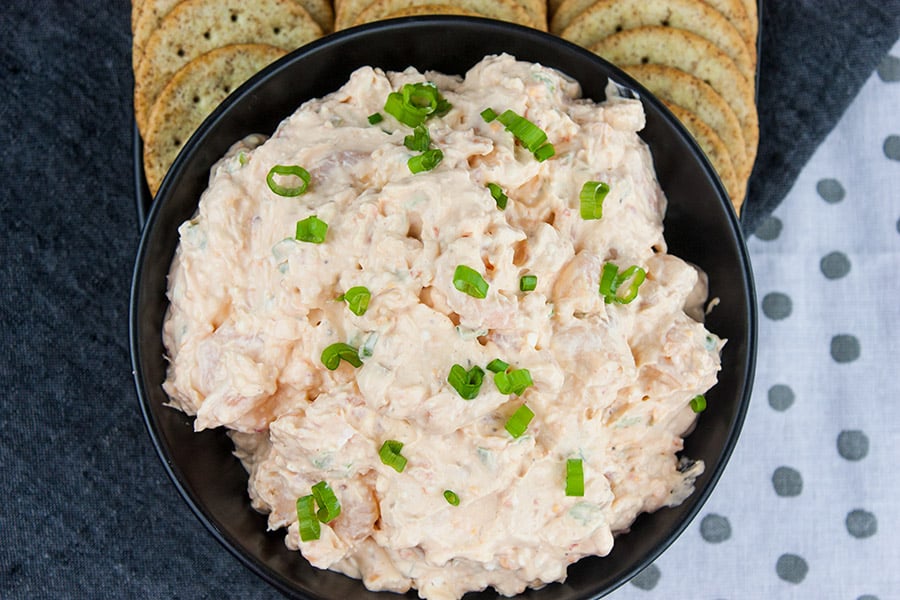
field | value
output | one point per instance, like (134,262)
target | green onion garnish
(375,118)
(518,422)
(544,152)
(311,229)
(488,115)
(419,141)
(285,170)
(307,519)
(333,354)
(469,281)
(527,283)
(497,193)
(531,136)
(425,161)
(698,403)
(451,497)
(611,280)
(242,158)
(357,299)
(415,102)
(574,477)
(591,199)
(497,365)
(329,505)
(390,455)
(513,381)
(466,383)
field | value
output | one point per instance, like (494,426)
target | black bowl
(700,227)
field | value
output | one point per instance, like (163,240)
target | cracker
(715,151)
(694,55)
(688,92)
(346,11)
(195,27)
(504,10)
(191,95)
(135,12)
(431,9)
(607,17)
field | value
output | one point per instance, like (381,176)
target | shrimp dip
(437,316)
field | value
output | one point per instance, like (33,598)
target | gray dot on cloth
(892,147)
(647,579)
(777,306)
(853,444)
(889,69)
(844,348)
(830,190)
(769,229)
(835,265)
(867,597)
(781,397)
(861,524)
(787,482)
(715,528)
(791,568)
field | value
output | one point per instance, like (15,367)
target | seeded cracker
(504,10)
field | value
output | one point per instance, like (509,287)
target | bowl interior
(700,227)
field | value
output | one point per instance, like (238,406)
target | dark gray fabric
(88,511)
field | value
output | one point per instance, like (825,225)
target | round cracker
(504,10)
(135,12)
(688,92)
(607,17)
(191,95)
(431,9)
(194,27)
(346,11)
(694,55)
(715,151)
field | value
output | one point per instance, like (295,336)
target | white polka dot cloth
(809,505)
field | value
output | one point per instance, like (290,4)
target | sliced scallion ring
(611,280)
(518,422)
(311,229)
(591,199)
(285,171)
(497,366)
(329,505)
(469,281)
(698,403)
(357,299)
(574,477)
(451,497)
(375,118)
(416,102)
(390,455)
(544,152)
(466,383)
(420,139)
(513,381)
(527,283)
(498,195)
(425,161)
(307,520)
(488,115)
(335,353)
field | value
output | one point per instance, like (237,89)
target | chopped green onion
(451,497)
(513,381)
(488,115)
(286,170)
(531,136)
(419,141)
(698,403)
(518,422)
(574,477)
(466,383)
(390,455)
(497,193)
(329,505)
(333,354)
(242,158)
(306,519)
(357,299)
(544,152)
(611,280)
(425,161)
(527,283)
(591,199)
(375,118)
(469,281)
(311,229)
(415,102)
(497,365)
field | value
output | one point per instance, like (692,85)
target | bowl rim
(697,499)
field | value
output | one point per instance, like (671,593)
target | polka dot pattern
(861,524)
(787,482)
(831,190)
(889,69)
(853,445)
(647,579)
(715,529)
(770,229)
(845,348)
(781,397)
(791,568)
(835,265)
(777,306)
(892,147)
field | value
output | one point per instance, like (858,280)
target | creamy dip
(252,309)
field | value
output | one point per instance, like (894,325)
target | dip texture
(252,309)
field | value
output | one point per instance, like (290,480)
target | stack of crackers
(697,56)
